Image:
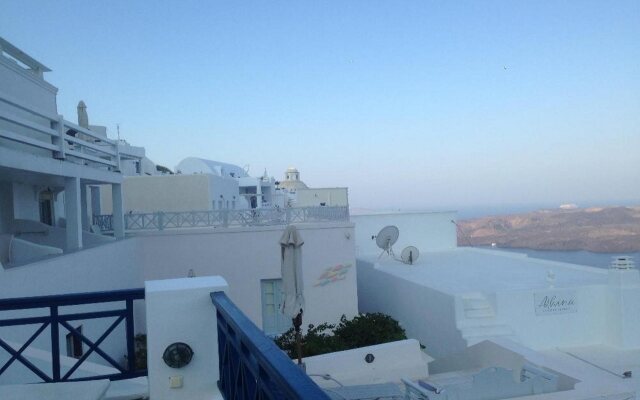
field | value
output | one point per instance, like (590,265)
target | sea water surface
(601,260)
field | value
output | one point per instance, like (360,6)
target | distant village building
(298,194)
(256,191)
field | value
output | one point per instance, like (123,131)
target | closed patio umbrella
(292,284)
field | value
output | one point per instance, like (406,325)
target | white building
(50,171)
(49,166)
(176,193)
(501,325)
(580,323)
(295,193)
(256,192)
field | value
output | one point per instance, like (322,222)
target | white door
(274,322)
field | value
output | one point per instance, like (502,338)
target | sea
(600,260)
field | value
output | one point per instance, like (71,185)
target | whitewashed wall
(426,231)
(165,193)
(242,256)
(392,362)
(245,256)
(26,86)
(25,202)
(172,193)
(328,196)
(32,91)
(425,313)
(226,190)
(585,326)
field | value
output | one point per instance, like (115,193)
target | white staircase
(477,320)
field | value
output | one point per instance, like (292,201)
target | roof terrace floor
(464,270)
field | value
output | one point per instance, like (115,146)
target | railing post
(287,215)
(73,213)
(59,140)
(117,146)
(117,218)
(225,218)
(55,343)
(160,220)
(131,349)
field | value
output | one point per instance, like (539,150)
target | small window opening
(74,343)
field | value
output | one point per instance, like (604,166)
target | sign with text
(554,302)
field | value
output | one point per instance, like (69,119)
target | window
(74,344)
(46,207)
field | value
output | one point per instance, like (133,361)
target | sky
(410,104)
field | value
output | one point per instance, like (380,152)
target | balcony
(49,135)
(235,360)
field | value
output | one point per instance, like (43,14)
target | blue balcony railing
(251,365)
(58,321)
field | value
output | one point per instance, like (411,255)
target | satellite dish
(409,255)
(386,238)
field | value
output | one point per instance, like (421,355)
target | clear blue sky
(412,105)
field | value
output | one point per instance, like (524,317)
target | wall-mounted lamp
(177,355)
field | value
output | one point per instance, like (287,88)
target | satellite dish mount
(386,238)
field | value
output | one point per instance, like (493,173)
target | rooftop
(464,270)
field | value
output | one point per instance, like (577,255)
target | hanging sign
(554,302)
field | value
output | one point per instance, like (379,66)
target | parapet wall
(428,231)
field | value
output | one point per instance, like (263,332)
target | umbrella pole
(297,323)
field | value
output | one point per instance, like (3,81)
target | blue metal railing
(57,319)
(251,365)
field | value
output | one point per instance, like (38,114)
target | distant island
(597,229)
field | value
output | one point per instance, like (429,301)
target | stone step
(486,330)
(469,323)
(475,304)
(477,339)
(472,296)
(479,313)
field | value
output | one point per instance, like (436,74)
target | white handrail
(225,218)
(103,151)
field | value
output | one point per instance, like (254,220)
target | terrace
(223,218)
(232,358)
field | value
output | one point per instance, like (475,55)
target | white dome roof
(194,165)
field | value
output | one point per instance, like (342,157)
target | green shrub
(362,330)
(368,330)
(140,348)
(318,340)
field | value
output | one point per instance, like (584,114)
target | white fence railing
(223,218)
(65,140)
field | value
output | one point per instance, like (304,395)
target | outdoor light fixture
(177,355)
